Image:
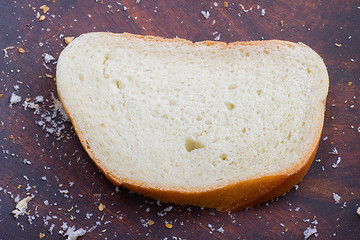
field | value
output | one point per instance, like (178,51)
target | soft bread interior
(175,115)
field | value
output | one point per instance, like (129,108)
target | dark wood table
(41,155)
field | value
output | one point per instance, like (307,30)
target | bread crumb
(48,58)
(263,12)
(150,222)
(168,225)
(309,231)
(101,207)
(334,151)
(21,207)
(45,8)
(14,99)
(41,235)
(74,234)
(69,39)
(334,165)
(336,198)
(349,83)
(41,18)
(217,38)
(205,14)
(5,51)
(226,4)
(49,75)
(220,230)
(338,44)
(21,50)
(358,211)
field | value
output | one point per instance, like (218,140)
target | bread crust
(232,196)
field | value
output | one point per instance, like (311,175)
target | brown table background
(332,28)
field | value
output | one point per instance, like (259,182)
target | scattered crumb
(21,50)
(74,234)
(226,4)
(45,8)
(334,151)
(309,231)
(39,99)
(338,44)
(337,163)
(336,197)
(41,18)
(69,39)
(49,75)
(217,38)
(14,99)
(206,14)
(27,161)
(41,235)
(101,207)
(150,222)
(21,207)
(168,225)
(5,50)
(48,58)
(220,230)
(358,211)
(263,12)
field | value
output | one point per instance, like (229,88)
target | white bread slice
(210,124)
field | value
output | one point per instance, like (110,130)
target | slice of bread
(210,124)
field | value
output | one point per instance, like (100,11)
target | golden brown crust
(226,197)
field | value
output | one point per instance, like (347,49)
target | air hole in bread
(289,135)
(81,77)
(223,156)
(192,144)
(229,105)
(113,108)
(119,84)
(232,86)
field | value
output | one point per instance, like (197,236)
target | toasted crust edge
(234,196)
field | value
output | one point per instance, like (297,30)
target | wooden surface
(58,162)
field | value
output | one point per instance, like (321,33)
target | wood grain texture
(58,162)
